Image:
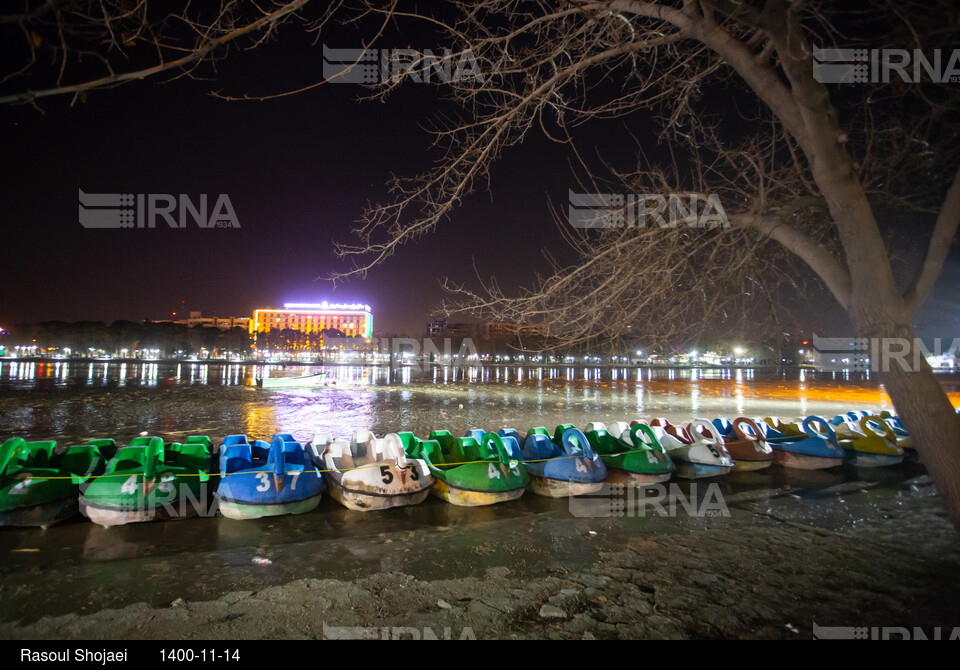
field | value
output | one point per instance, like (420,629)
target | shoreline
(379,364)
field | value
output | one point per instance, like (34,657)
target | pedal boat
(148,480)
(369,473)
(468,471)
(745,443)
(631,454)
(258,479)
(40,485)
(813,449)
(697,450)
(560,467)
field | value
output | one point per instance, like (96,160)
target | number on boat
(166,484)
(414,473)
(580,466)
(129,486)
(653,457)
(385,474)
(264,481)
(296,476)
(493,473)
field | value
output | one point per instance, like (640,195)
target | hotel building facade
(351,319)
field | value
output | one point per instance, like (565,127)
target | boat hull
(41,515)
(366,502)
(618,476)
(113,516)
(790,459)
(234,509)
(867,460)
(751,466)
(561,488)
(470,498)
(688,470)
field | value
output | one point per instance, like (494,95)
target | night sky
(298,171)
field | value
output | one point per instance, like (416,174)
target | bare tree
(72,47)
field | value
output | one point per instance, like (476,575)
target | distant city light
(326,305)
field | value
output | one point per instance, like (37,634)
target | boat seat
(412,447)
(538,447)
(431,451)
(78,459)
(465,450)
(236,457)
(293,454)
(595,426)
(725,426)
(107,447)
(231,440)
(510,432)
(512,446)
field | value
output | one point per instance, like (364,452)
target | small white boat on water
(316,379)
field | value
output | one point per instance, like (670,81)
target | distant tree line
(167,338)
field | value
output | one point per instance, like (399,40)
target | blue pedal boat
(812,450)
(563,466)
(259,479)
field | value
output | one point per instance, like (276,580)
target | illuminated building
(311,318)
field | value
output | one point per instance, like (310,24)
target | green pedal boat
(469,471)
(149,480)
(39,485)
(632,454)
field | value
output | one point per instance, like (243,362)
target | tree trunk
(920,401)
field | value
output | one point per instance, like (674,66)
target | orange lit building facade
(310,318)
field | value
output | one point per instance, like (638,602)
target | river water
(72,402)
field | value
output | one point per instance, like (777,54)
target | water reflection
(71,401)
